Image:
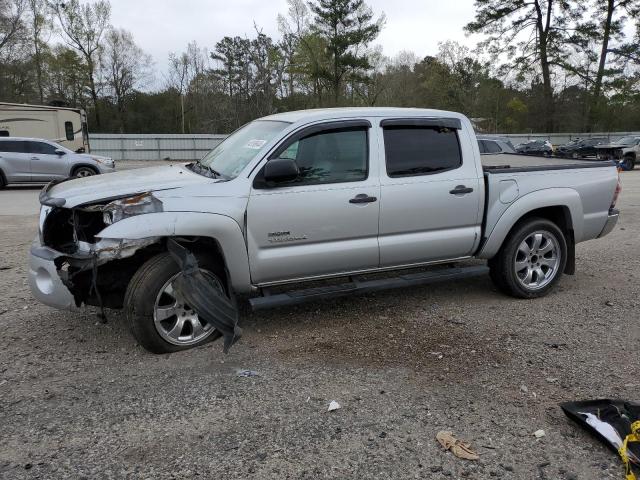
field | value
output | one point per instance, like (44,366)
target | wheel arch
(75,168)
(213,233)
(561,206)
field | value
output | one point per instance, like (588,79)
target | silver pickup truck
(309,205)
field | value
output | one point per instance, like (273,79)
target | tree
(40,23)
(530,32)
(126,67)
(611,23)
(83,26)
(346,26)
(11,24)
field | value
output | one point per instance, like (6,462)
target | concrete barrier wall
(194,146)
(153,147)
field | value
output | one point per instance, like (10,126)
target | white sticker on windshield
(255,144)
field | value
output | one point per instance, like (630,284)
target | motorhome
(66,126)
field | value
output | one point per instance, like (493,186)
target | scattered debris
(248,373)
(609,303)
(437,354)
(524,389)
(459,448)
(614,422)
(539,433)
(551,379)
(333,405)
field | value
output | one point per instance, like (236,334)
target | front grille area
(59,226)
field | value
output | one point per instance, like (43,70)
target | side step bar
(295,297)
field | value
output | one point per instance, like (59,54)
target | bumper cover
(612,219)
(44,281)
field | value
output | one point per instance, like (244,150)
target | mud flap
(203,297)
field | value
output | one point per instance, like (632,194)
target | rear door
(45,163)
(14,161)
(326,221)
(430,192)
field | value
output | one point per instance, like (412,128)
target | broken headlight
(130,207)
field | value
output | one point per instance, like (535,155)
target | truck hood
(119,184)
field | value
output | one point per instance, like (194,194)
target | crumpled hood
(128,182)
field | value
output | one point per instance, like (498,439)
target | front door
(46,164)
(325,222)
(431,193)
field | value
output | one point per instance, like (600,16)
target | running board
(355,286)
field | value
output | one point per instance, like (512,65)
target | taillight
(617,192)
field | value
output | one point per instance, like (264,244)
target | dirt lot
(80,399)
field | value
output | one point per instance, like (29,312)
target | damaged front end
(94,269)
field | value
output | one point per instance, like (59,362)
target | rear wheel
(3,182)
(84,172)
(159,320)
(531,259)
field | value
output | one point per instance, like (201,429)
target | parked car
(580,148)
(535,147)
(495,145)
(625,150)
(297,197)
(32,160)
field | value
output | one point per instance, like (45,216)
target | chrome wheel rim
(84,172)
(175,321)
(537,260)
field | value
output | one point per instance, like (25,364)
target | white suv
(33,160)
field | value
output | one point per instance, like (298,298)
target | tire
(517,248)
(575,155)
(144,293)
(81,172)
(3,181)
(629,162)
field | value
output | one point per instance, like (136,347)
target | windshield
(626,140)
(236,151)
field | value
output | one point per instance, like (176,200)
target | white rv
(66,126)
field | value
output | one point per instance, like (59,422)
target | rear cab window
(12,146)
(415,147)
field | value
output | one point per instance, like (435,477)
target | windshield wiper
(205,170)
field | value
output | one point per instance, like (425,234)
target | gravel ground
(79,399)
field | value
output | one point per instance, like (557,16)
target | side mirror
(60,152)
(281,170)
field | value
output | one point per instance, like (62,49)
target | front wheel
(81,172)
(629,163)
(159,319)
(531,259)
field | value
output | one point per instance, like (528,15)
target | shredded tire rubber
(209,303)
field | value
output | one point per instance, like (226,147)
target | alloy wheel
(537,260)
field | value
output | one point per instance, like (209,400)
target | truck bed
(510,162)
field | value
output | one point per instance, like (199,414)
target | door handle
(35,158)
(362,198)
(461,190)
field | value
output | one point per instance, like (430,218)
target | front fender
(221,228)
(550,197)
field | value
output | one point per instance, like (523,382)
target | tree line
(539,65)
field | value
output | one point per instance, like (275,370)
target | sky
(163,26)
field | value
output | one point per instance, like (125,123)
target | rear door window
(12,146)
(482,146)
(418,150)
(492,147)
